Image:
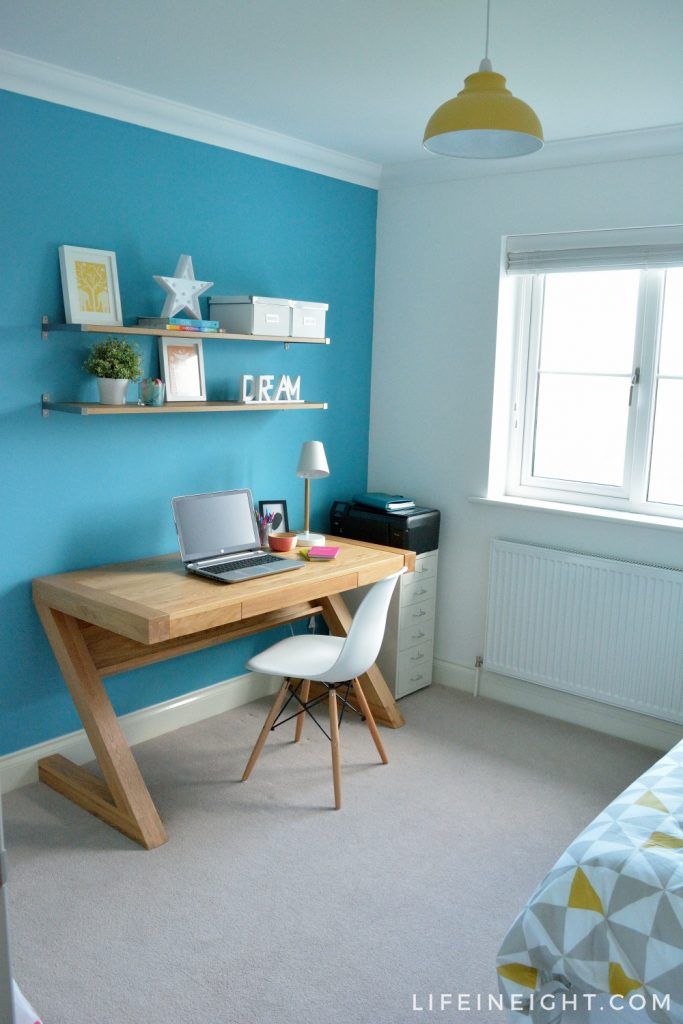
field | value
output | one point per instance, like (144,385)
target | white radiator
(597,627)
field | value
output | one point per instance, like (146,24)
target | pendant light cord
(488,27)
(486,63)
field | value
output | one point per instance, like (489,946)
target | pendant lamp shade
(484,121)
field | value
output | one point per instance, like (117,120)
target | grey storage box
(252,314)
(308,319)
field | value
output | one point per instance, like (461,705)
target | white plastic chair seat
(299,657)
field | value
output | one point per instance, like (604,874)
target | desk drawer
(425,565)
(416,590)
(415,668)
(413,614)
(419,632)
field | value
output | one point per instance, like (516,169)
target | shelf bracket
(286,346)
(44,322)
(44,404)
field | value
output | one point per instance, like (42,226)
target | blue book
(207,324)
(385,502)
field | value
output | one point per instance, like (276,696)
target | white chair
(332,660)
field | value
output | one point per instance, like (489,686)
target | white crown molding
(84,92)
(20,768)
(591,149)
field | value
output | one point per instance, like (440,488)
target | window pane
(671,353)
(581,428)
(666,468)
(589,321)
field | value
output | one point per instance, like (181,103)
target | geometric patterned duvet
(608,917)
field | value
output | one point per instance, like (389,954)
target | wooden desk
(118,617)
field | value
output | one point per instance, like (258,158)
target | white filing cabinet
(407,653)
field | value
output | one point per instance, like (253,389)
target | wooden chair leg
(305,690)
(267,726)
(370,721)
(336,759)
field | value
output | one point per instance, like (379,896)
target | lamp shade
(312,461)
(483,121)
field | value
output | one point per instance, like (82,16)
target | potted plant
(115,364)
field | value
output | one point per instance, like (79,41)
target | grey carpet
(268,907)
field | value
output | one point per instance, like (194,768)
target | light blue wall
(80,492)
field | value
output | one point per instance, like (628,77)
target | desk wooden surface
(155,599)
(118,617)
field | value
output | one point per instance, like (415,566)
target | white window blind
(618,257)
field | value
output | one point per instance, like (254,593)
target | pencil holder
(152,391)
(264,532)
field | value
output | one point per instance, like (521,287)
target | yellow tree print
(91,279)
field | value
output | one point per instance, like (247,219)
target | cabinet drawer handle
(419,614)
(418,657)
(420,592)
(416,679)
(418,636)
(422,569)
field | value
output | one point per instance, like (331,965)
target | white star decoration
(182,291)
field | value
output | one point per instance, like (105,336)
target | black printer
(415,529)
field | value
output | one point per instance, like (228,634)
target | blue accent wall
(82,491)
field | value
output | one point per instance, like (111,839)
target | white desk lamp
(312,465)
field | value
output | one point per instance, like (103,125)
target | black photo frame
(276,505)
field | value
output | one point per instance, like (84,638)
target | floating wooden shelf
(95,409)
(47,328)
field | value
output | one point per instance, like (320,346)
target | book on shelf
(181,329)
(183,322)
(169,323)
(384,502)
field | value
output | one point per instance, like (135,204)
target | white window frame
(520,482)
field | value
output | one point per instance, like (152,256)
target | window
(596,389)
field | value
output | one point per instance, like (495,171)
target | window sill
(583,512)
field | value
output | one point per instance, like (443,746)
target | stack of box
(279,318)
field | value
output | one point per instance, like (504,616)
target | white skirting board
(627,725)
(21,767)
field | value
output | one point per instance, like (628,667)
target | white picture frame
(90,286)
(181,363)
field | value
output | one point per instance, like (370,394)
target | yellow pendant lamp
(484,121)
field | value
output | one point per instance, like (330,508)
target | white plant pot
(112,391)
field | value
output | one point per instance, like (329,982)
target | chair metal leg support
(344,701)
(307,705)
(306,708)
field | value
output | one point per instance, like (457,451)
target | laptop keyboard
(243,563)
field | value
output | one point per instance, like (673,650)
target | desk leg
(123,800)
(379,696)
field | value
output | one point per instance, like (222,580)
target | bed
(605,926)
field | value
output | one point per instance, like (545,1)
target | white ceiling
(363,76)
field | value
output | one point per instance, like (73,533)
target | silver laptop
(218,538)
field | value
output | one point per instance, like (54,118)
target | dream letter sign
(263,388)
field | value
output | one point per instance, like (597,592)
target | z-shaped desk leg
(123,800)
(378,695)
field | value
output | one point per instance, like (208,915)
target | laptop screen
(215,524)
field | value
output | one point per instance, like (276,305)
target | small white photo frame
(181,364)
(90,286)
